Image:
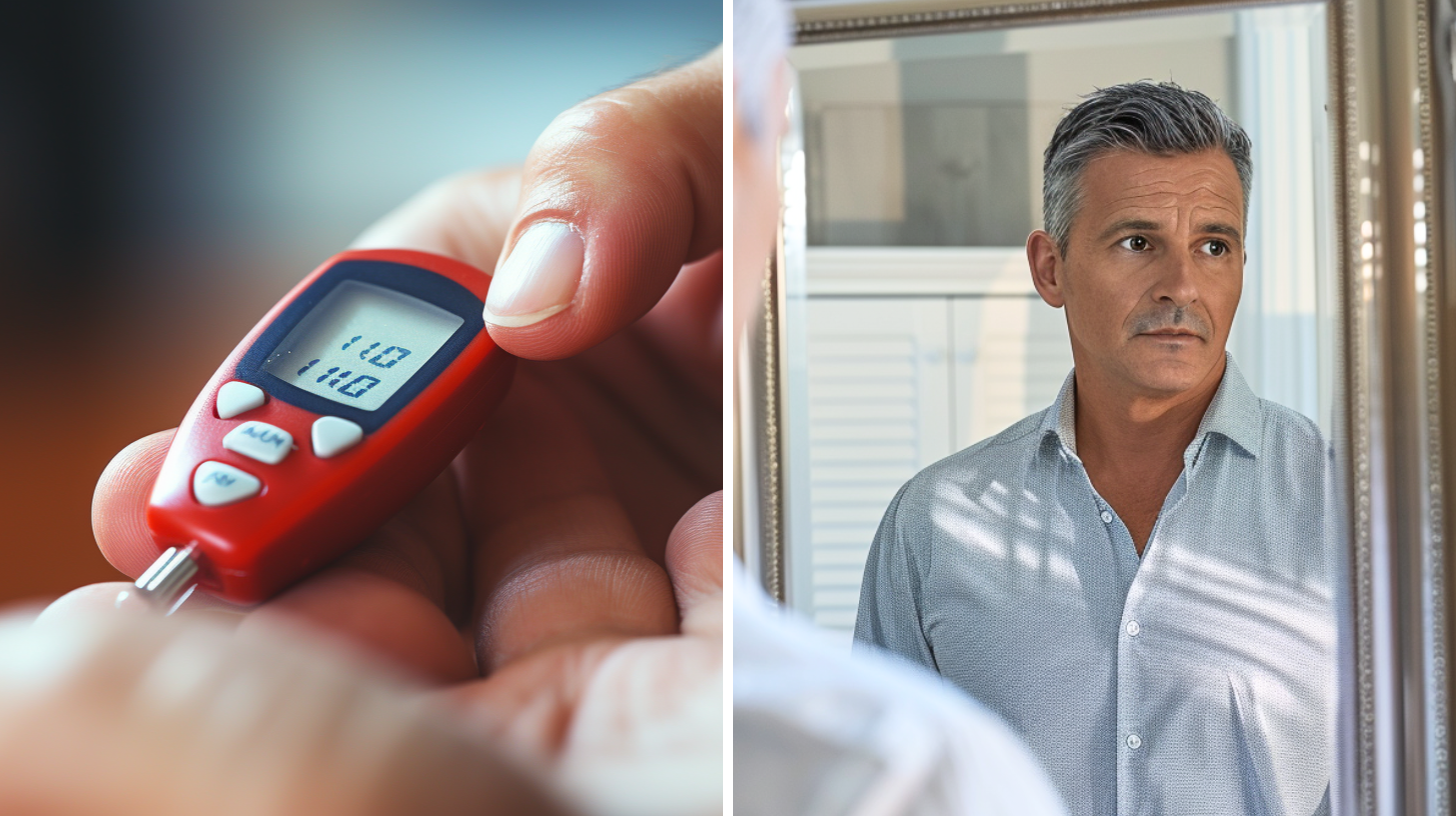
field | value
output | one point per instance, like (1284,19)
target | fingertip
(538,277)
(110,598)
(547,300)
(118,507)
(552,338)
(521,321)
(695,553)
(114,598)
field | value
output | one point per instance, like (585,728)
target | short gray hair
(1157,118)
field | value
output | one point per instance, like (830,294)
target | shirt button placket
(1131,762)
(1130,759)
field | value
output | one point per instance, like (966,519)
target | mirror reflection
(1130,563)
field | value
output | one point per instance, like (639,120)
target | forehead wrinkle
(1177,187)
(1203,177)
(1221,205)
(1126,199)
(1138,204)
(1173,199)
(1211,186)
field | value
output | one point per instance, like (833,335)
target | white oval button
(1133,627)
(1106,517)
(259,440)
(1134,741)
(236,397)
(332,435)
(215,484)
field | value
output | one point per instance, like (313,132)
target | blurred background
(169,169)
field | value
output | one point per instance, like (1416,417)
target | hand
(563,580)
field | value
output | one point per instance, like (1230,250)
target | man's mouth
(1172,333)
(1177,326)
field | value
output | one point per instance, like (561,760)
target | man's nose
(1176,282)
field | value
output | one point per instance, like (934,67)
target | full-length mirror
(913,317)
(1003,228)
(1138,567)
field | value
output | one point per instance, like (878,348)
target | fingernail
(539,277)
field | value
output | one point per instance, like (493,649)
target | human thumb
(618,194)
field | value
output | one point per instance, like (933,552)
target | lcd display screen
(360,344)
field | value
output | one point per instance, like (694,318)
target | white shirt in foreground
(817,731)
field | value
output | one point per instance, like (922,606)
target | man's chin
(1171,375)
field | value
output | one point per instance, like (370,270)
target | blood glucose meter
(350,395)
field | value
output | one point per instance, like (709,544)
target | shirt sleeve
(890,595)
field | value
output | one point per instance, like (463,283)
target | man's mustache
(1171,319)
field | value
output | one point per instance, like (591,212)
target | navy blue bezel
(414,281)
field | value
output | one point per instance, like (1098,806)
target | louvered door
(879,410)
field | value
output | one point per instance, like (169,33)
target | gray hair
(1159,119)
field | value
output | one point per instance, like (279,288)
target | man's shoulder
(995,458)
(1287,428)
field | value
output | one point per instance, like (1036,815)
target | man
(1138,579)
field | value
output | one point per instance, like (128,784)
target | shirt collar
(1061,418)
(1235,413)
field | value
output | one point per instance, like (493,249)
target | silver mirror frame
(1393,123)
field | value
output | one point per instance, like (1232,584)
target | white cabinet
(878,393)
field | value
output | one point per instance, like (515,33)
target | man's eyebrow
(1129,225)
(1220,228)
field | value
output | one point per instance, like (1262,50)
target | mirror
(921,333)
(901,323)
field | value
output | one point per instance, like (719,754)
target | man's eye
(1215,248)
(1136,243)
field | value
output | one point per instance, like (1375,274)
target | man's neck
(1132,445)
(1117,428)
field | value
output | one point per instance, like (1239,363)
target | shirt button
(1134,741)
(1106,517)
(1133,627)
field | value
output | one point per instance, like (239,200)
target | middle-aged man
(1139,579)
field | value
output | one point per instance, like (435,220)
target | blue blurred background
(169,168)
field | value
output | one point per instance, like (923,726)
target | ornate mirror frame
(1393,123)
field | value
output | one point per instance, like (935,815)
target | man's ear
(1047,269)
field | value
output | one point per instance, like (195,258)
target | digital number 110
(358,386)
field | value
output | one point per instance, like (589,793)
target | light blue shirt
(1198,679)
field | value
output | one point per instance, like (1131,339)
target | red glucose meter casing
(311,510)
